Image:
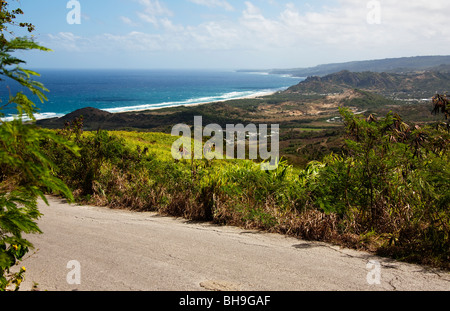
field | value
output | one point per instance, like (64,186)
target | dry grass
(222,209)
(237,194)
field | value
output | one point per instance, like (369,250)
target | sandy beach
(45,116)
(256,95)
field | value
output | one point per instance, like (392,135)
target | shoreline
(258,95)
(44,116)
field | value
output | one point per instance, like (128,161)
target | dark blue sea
(128,90)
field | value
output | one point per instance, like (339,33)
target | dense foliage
(387,192)
(25,172)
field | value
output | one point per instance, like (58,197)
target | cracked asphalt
(120,250)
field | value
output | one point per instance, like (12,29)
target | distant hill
(315,97)
(412,85)
(156,120)
(89,114)
(390,65)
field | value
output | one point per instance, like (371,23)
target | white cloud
(404,25)
(214,3)
(67,41)
(127,21)
(251,10)
(148,18)
(152,11)
(133,41)
(155,8)
(408,28)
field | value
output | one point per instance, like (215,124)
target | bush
(25,171)
(394,182)
(387,191)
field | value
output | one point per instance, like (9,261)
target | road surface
(89,248)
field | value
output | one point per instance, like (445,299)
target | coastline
(253,96)
(151,91)
(51,115)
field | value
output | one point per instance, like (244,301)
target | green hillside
(413,85)
(390,65)
(386,192)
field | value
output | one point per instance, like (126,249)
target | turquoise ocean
(130,90)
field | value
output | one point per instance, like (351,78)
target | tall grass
(386,194)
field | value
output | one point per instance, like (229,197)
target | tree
(25,171)
(442,105)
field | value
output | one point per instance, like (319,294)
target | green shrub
(25,170)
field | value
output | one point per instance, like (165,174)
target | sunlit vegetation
(385,191)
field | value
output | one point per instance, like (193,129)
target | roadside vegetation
(25,172)
(386,191)
(379,183)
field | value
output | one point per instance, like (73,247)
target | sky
(232,34)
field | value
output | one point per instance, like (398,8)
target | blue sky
(232,34)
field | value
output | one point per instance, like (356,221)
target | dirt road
(89,248)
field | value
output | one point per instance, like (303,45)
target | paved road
(122,250)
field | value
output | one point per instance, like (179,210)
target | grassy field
(378,191)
